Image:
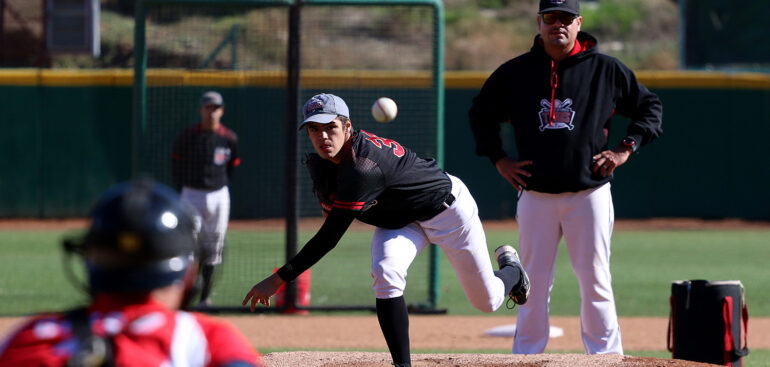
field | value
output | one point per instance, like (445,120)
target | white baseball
(384,109)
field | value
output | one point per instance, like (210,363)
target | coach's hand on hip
(513,172)
(606,161)
(263,290)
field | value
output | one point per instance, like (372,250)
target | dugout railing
(267,57)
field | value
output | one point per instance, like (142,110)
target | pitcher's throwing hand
(262,291)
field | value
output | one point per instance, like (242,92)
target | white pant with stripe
(458,232)
(585,219)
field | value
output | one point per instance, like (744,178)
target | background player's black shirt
(204,159)
(383,183)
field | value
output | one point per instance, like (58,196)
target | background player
(140,259)
(357,174)
(560,98)
(203,159)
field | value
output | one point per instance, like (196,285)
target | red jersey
(143,334)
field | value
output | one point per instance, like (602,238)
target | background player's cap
(567,6)
(323,108)
(212,97)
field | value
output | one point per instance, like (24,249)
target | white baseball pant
(585,219)
(211,219)
(458,232)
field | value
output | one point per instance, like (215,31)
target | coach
(560,97)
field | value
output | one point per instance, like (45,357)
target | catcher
(140,260)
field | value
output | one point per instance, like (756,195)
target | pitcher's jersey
(384,183)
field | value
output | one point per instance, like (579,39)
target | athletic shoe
(506,255)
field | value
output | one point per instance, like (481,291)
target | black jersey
(384,183)
(204,159)
(379,182)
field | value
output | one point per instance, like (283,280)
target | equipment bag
(705,322)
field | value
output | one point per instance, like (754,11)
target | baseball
(384,109)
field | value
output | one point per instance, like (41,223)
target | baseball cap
(323,108)
(567,6)
(212,97)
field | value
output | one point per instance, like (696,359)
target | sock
(510,275)
(394,322)
(207,272)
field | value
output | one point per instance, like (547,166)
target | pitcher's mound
(371,359)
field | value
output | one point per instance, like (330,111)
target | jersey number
(398,150)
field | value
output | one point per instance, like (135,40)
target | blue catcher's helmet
(141,238)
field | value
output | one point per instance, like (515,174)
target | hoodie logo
(563,111)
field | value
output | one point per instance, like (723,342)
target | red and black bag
(705,322)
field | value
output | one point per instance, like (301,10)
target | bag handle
(745,317)
(671,320)
(733,351)
(742,352)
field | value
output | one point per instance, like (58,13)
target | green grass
(32,276)
(644,263)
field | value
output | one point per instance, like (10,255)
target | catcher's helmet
(141,238)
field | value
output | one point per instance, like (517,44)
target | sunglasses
(564,18)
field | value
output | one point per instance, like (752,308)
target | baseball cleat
(506,255)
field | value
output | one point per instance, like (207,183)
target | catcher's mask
(140,239)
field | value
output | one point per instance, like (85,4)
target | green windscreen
(724,34)
(240,49)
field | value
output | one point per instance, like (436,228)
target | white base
(508,330)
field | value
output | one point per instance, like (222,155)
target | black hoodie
(588,90)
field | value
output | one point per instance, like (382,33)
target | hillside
(479,34)
(483,34)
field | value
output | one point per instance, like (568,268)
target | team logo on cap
(558,2)
(563,114)
(314,105)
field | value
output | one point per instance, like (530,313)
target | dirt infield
(446,332)
(453,334)
(364,359)
(457,335)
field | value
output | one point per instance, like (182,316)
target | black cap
(567,6)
